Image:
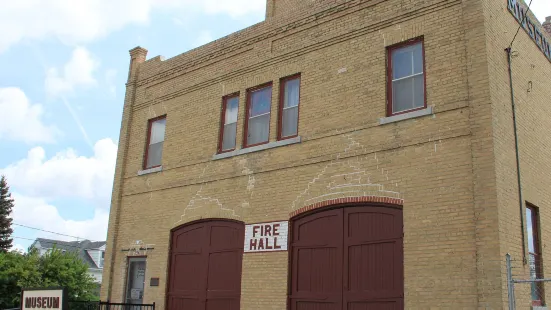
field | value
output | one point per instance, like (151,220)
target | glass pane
(289,123)
(228,140)
(530,229)
(136,281)
(291,96)
(402,95)
(258,129)
(231,110)
(535,292)
(402,62)
(534,274)
(157,131)
(154,155)
(407,60)
(418,58)
(260,101)
(418,91)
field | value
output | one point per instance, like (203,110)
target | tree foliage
(6,206)
(53,269)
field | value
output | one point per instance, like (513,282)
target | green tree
(15,268)
(6,206)
(53,269)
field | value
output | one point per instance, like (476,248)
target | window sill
(257,148)
(409,115)
(150,170)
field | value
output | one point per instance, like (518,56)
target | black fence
(83,305)
(105,305)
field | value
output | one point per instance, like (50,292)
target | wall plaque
(266,237)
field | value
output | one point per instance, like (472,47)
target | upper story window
(289,97)
(534,250)
(257,121)
(228,128)
(155,140)
(102,259)
(406,77)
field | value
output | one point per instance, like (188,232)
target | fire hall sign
(43,299)
(266,237)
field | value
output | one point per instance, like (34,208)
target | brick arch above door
(348,200)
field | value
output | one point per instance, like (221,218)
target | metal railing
(526,283)
(106,305)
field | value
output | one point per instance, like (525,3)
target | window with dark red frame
(228,128)
(257,121)
(289,100)
(534,249)
(406,77)
(155,140)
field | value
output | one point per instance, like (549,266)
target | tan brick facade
(452,171)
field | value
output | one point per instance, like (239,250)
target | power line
(52,232)
(15,237)
(521,23)
(53,242)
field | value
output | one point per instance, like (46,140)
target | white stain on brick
(332,183)
(202,199)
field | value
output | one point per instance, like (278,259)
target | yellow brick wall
(443,165)
(532,110)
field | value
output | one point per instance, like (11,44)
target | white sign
(266,237)
(42,299)
(135,293)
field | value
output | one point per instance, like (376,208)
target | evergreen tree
(6,206)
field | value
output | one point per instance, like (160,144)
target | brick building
(342,154)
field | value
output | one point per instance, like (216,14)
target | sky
(63,68)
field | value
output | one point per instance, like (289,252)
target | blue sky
(63,67)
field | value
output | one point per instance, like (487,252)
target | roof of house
(73,246)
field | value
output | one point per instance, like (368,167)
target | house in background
(92,253)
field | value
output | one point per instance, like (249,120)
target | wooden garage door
(347,259)
(205,266)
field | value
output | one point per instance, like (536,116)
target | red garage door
(348,259)
(205,266)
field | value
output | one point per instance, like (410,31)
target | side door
(135,281)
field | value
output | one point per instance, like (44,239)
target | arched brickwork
(339,201)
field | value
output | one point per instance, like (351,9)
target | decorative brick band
(337,201)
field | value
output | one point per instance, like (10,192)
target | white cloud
(38,213)
(18,248)
(203,38)
(78,71)
(234,8)
(110,76)
(541,9)
(76,22)
(22,121)
(66,174)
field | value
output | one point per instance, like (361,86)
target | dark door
(205,266)
(373,258)
(347,259)
(317,254)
